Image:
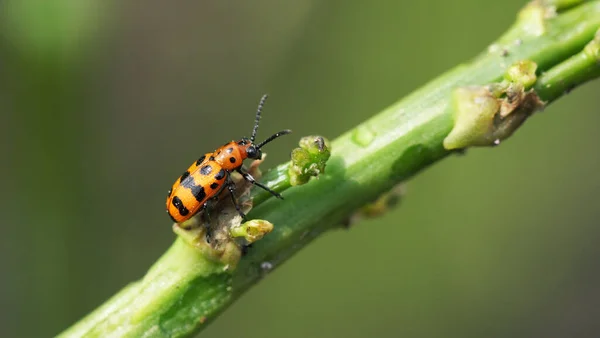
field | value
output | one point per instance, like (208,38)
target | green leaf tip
(522,72)
(251,231)
(486,115)
(309,159)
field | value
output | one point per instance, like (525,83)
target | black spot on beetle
(199,193)
(232,159)
(220,175)
(189,183)
(212,158)
(184,176)
(200,160)
(183,211)
(214,185)
(207,169)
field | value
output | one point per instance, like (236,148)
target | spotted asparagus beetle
(207,177)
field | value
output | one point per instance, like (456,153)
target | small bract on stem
(309,159)
(486,115)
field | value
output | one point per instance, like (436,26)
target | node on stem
(251,231)
(486,115)
(309,159)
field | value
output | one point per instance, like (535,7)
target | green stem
(579,68)
(184,290)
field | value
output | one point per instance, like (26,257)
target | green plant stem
(579,68)
(184,290)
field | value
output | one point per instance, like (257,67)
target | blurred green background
(103,104)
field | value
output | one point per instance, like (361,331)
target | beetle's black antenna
(257,119)
(274,136)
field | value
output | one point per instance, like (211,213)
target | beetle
(207,177)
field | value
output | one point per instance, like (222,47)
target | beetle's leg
(245,249)
(231,188)
(206,216)
(205,208)
(251,179)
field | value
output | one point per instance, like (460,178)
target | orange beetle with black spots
(209,175)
